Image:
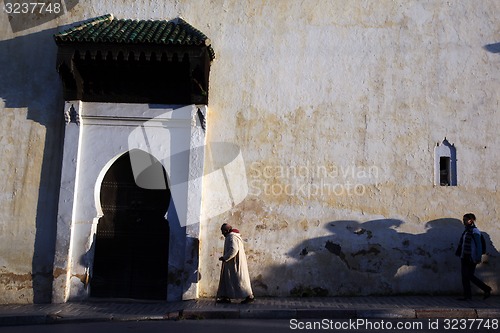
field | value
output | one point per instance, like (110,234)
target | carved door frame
(96,134)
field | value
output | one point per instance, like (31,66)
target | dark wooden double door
(132,239)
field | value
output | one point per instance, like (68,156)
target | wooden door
(131,245)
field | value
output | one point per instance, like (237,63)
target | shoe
(223,300)
(487,293)
(248,300)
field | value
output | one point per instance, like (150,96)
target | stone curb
(446,313)
(210,314)
(387,314)
(268,314)
(488,313)
(255,313)
(338,314)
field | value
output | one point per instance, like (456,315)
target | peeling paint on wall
(18,288)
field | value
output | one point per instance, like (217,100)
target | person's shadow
(440,273)
(376,257)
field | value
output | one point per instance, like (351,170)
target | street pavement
(369,307)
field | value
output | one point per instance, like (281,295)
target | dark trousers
(468,269)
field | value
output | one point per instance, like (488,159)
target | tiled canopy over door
(119,76)
(134,61)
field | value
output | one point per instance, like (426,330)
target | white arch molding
(104,132)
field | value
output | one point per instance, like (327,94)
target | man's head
(226,229)
(469,219)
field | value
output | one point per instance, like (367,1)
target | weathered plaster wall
(323,97)
(30,143)
(320,96)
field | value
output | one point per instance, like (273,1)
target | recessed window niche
(445,164)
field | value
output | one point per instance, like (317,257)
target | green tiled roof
(107,29)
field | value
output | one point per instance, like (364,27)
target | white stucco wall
(320,97)
(347,87)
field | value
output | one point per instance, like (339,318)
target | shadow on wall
(30,81)
(493,48)
(373,258)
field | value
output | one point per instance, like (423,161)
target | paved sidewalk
(262,308)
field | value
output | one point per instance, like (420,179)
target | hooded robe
(235,280)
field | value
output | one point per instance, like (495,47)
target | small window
(445,164)
(444,171)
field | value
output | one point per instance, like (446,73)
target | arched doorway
(132,239)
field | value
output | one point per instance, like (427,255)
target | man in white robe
(235,280)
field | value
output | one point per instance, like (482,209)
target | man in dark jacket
(470,251)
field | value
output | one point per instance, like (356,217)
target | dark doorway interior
(131,245)
(444,171)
